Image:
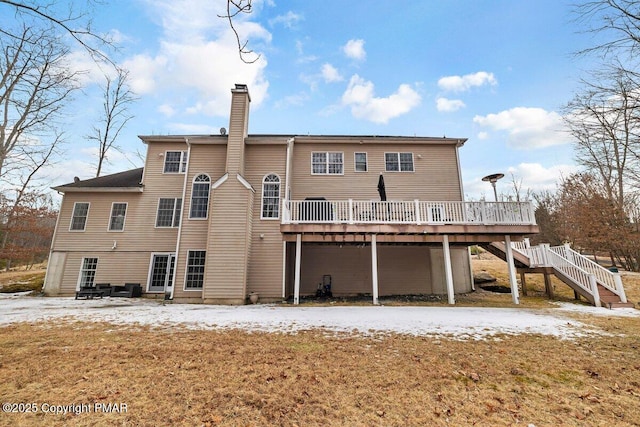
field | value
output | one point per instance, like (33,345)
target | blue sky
(496,72)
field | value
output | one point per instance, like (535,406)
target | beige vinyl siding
(435,175)
(204,159)
(402,270)
(114,267)
(265,265)
(237,132)
(228,246)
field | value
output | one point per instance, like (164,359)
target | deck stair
(598,285)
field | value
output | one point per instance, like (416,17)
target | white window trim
(193,181)
(85,221)
(186,271)
(413,163)
(173,218)
(80,270)
(366,162)
(279,198)
(124,220)
(183,160)
(327,163)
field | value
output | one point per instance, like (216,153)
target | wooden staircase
(575,270)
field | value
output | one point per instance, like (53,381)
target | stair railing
(604,277)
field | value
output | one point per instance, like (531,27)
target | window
(175,162)
(168,213)
(326,163)
(195,270)
(398,162)
(200,197)
(118,214)
(361,162)
(88,271)
(270,196)
(79,218)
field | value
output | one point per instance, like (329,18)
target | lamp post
(493,178)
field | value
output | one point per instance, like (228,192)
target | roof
(123,181)
(283,138)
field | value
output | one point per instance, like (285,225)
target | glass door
(161,274)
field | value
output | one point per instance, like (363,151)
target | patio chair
(105,288)
(88,292)
(129,290)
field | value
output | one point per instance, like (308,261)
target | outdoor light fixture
(493,178)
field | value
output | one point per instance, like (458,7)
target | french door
(161,273)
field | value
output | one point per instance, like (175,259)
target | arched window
(200,196)
(270,197)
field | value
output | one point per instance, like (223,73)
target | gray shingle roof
(126,179)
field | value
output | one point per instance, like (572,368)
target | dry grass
(237,378)
(193,378)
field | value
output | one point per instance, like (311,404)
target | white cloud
(537,177)
(354,49)
(166,110)
(330,74)
(449,105)
(364,105)
(288,20)
(483,135)
(466,82)
(527,128)
(197,62)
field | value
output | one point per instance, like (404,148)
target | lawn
(175,376)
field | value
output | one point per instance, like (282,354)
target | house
(212,218)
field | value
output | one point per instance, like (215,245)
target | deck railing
(406,212)
(583,271)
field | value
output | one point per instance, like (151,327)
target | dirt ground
(233,378)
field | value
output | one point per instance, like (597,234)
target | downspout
(182,217)
(287,194)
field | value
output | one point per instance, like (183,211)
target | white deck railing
(584,272)
(406,212)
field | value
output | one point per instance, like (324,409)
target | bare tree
(69,17)
(615,22)
(604,120)
(237,8)
(117,98)
(35,86)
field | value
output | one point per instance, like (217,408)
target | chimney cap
(242,87)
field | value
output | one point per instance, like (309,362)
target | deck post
(512,270)
(374,268)
(594,289)
(523,282)
(548,286)
(296,286)
(448,272)
(619,288)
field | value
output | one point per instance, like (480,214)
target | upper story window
(175,162)
(270,197)
(79,217)
(168,214)
(360,162)
(118,214)
(200,197)
(398,162)
(327,163)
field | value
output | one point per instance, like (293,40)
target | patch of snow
(597,311)
(454,322)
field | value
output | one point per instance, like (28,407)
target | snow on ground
(456,322)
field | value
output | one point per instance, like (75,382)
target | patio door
(161,274)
